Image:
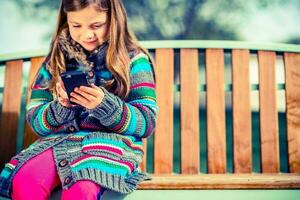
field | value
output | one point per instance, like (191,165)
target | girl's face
(88,27)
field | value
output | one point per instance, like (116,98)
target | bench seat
(222,181)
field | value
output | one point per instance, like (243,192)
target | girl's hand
(62,96)
(88,97)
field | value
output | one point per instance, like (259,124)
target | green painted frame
(200,44)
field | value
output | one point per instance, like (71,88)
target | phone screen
(73,79)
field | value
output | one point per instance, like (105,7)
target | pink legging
(38,177)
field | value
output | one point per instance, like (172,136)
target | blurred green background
(28,24)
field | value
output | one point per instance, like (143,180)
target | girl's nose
(89,35)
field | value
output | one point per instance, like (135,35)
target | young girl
(95,144)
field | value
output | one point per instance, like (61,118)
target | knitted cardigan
(103,144)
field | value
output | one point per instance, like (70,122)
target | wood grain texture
(11,106)
(292,86)
(29,135)
(242,140)
(163,137)
(222,181)
(268,112)
(216,142)
(189,104)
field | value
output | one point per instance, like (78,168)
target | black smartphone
(73,79)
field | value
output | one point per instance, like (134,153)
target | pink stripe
(13,162)
(130,165)
(102,147)
(151,85)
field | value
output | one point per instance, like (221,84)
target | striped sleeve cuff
(108,111)
(62,114)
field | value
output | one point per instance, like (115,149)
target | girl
(95,144)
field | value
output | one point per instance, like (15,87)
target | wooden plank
(36,64)
(189,104)
(292,86)
(268,112)
(11,105)
(242,140)
(163,137)
(29,135)
(144,161)
(222,181)
(216,148)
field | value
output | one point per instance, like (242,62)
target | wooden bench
(181,96)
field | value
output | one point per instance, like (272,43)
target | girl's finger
(88,98)
(79,97)
(85,94)
(76,101)
(94,90)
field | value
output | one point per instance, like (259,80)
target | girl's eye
(97,26)
(76,26)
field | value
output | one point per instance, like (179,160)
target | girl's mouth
(90,42)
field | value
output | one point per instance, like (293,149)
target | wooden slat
(242,145)
(189,104)
(221,181)
(216,148)
(29,135)
(292,73)
(163,138)
(144,161)
(12,96)
(268,112)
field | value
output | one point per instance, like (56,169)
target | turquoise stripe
(44,72)
(100,165)
(5,173)
(34,103)
(81,133)
(41,95)
(101,140)
(132,122)
(140,67)
(144,102)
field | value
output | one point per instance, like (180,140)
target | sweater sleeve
(136,114)
(44,114)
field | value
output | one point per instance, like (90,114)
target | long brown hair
(120,42)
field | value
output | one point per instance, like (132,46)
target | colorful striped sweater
(103,144)
(133,116)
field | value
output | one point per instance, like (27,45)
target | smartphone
(73,79)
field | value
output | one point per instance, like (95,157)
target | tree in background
(180,19)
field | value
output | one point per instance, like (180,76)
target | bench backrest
(184,80)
